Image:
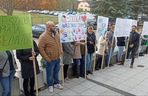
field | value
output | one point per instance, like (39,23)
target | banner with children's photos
(73,26)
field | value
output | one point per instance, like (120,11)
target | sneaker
(66,79)
(58,86)
(50,88)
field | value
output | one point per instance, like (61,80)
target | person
(51,50)
(8,64)
(133,44)
(102,50)
(121,45)
(76,59)
(27,70)
(68,51)
(143,44)
(111,44)
(91,40)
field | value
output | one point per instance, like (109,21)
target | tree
(7,6)
(120,8)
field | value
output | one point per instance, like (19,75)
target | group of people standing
(79,53)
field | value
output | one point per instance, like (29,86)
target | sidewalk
(114,81)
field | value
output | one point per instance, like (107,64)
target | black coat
(120,41)
(23,55)
(92,38)
(134,39)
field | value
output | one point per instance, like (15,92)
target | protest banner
(134,22)
(123,27)
(145,28)
(15,32)
(102,25)
(74,27)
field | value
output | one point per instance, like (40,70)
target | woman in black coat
(27,70)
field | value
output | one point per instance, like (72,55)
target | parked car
(56,13)
(38,29)
(44,12)
(51,12)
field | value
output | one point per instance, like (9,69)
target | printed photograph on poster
(102,25)
(74,27)
(123,27)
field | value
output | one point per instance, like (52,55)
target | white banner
(102,25)
(134,22)
(145,28)
(74,27)
(123,27)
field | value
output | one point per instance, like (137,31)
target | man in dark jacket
(133,44)
(111,44)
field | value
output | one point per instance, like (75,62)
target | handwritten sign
(15,32)
(102,25)
(145,28)
(74,27)
(123,27)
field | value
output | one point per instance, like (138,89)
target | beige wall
(84,6)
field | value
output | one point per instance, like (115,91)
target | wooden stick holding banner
(139,48)
(126,49)
(94,65)
(103,58)
(62,72)
(85,54)
(35,75)
(61,63)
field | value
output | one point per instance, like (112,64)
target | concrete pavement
(113,81)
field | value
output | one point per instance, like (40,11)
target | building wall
(84,6)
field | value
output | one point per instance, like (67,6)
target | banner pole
(126,50)
(85,54)
(140,39)
(61,63)
(94,65)
(103,57)
(34,66)
(62,73)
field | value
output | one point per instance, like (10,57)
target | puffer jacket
(50,46)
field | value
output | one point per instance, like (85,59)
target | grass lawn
(36,18)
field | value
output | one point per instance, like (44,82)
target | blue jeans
(109,55)
(76,67)
(120,52)
(52,72)
(89,62)
(6,83)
